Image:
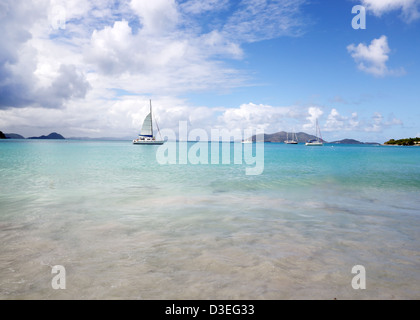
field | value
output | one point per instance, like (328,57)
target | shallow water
(126,227)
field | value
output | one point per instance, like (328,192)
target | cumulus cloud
(20,62)
(378,123)
(69,84)
(373,58)
(95,69)
(25,89)
(337,122)
(260,117)
(156,16)
(313,114)
(145,42)
(15,20)
(409,8)
(124,117)
(273,119)
(117,49)
(97,73)
(108,48)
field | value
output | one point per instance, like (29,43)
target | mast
(318,131)
(151,116)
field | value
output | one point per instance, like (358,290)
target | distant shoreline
(277,138)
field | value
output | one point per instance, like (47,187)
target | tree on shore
(404,142)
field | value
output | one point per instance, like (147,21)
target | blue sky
(88,68)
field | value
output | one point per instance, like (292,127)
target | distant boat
(249,140)
(146,134)
(294,139)
(318,140)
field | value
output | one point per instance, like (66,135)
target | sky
(88,68)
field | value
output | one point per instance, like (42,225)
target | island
(13,136)
(2,135)
(352,141)
(404,142)
(302,137)
(53,135)
(282,136)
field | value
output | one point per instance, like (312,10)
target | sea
(91,220)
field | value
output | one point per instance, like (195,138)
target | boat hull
(314,144)
(145,142)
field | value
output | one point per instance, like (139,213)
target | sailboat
(318,140)
(146,134)
(294,139)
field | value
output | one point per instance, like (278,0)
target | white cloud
(108,46)
(123,118)
(130,39)
(409,8)
(144,48)
(313,114)
(259,116)
(354,120)
(372,59)
(156,16)
(337,122)
(31,71)
(377,124)
(377,121)
(203,6)
(261,20)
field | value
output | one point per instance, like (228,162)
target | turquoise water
(125,226)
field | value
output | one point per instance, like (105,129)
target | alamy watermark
(58,281)
(358,21)
(209,150)
(359,280)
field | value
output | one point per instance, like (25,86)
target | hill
(2,136)
(13,136)
(53,135)
(282,135)
(404,142)
(347,141)
(352,141)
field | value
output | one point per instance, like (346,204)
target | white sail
(147,128)
(318,140)
(146,132)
